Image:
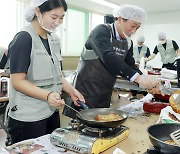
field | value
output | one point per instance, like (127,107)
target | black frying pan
(161,132)
(87,117)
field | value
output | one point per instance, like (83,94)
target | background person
(108,52)
(168,50)
(35,67)
(140,50)
(3,57)
(4,62)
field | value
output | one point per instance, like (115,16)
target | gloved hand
(145,59)
(150,82)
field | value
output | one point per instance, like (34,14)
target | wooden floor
(115,103)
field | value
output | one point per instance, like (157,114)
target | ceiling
(151,6)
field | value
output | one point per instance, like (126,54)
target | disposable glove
(148,81)
(145,59)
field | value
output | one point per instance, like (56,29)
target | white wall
(7,31)
(169,22)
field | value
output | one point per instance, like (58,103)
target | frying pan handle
(82,104)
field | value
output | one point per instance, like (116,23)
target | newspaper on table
(40,145)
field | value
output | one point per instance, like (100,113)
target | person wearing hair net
(108,52)
(139,50)
(36,77)
(168,50)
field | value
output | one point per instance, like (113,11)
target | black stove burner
(103,132)
(96,132)
(152,150)
(75,124)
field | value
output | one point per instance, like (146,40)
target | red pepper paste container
(154,107)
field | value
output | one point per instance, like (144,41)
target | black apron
(170,66)
(94,80)
(178,72)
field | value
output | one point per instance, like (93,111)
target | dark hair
(52,4)
(116,18)
(124,19)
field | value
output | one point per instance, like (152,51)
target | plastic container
(154,107)
(169,74)
(161,97)
(154,73)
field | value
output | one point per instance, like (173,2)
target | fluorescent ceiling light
(105,3)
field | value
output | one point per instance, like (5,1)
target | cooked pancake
(108,117)
(173,117)
(171,142)
(175,107)
(174,101)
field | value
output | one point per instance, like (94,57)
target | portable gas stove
(82,139)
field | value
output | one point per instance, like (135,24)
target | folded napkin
(164,115)
(169,74)
(118,151)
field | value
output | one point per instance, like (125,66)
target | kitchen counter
(122,83)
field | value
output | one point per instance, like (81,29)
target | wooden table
(136,143)
(138,140)
(4,99)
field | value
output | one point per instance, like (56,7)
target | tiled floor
(116,103)
(2,138)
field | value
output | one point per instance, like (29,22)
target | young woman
(35,67)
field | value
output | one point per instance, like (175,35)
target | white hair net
(162,36)
(140,39)
(130,12)
(30,9)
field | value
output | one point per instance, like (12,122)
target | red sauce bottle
(4,87)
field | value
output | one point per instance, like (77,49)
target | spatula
(176,136)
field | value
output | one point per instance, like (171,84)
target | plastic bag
(135,109)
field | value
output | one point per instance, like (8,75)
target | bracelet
(49,94)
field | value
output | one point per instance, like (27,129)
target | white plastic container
(169,74)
